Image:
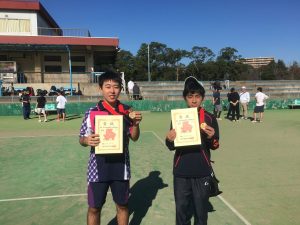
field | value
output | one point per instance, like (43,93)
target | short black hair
(110,75)
(259,89)
(192,86)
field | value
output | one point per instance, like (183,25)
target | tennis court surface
(43,173)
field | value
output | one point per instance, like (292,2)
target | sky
(255,28)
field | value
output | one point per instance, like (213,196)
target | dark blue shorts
(97,192)
(60,111)
(259,109)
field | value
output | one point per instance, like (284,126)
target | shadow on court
(72,117)
(210,207)
(142,193)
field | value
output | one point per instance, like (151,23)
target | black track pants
(191,199)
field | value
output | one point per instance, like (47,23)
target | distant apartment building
(257,62)
(33,48)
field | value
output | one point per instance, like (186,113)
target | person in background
(217,103)
(61,106)
(130,85)
(11,89)
(40,106)
(25,99)
(244,100)
(234,106)
(136,91)
(260,98)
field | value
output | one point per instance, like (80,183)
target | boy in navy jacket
(192,170)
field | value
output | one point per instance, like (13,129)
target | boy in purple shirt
(109,170)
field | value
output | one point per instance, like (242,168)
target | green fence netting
(13,109)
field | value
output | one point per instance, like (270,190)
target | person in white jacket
(244,100)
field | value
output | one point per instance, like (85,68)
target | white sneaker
(40,120)
(45,120)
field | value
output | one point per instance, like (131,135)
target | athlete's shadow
(210,207)
(142,193)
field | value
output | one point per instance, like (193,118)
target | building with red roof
(34,49)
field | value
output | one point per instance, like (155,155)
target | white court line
(234,210)
(35,136)
(242,218)
(41,197)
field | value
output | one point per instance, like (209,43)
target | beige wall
(20,15)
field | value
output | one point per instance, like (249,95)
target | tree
(167,64)
(294,71)
(199,57)
(125,62)
(268,71)
(228,63)
(281,71)
(201,54)
(228,54)
(141,63)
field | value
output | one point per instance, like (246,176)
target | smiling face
(110,91)
(193,100)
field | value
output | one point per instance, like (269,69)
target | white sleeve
(248,97)
(266,96)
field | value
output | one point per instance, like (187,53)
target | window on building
(52,58)
(78,58)
(53,69)
(3,57)
(78,69)
(14,25)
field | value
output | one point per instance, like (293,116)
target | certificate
(186,124)
(110,130)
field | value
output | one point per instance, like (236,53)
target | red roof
(12,4)
(34,5)
(59,40)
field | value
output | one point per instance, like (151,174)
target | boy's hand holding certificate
(186,124)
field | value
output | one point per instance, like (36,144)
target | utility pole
(149,74)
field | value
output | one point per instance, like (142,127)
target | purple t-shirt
(109,166)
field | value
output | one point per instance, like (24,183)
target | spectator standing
(109,170)
(227,85)
(260,98)
(61,105)
(130,85)
(229,109)
(25,99)
(136,91)
(244,99)
(11,89)
(217,103)
(40,106)
(234,106)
